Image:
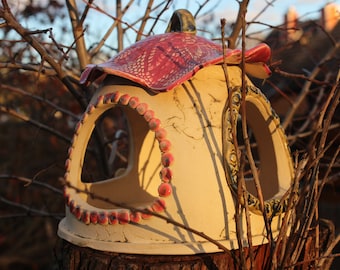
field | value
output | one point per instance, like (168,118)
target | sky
(227,9)
(273,14)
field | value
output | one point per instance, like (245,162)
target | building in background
(297,48)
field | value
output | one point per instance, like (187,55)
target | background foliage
(46,45)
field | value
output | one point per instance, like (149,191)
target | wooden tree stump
(75,257)
(84,258)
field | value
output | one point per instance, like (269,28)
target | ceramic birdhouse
(162,123)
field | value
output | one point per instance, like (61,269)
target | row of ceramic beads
(122,216)
(154,124)
(164,190)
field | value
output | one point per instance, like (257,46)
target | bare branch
(159,14)
(200,8)
(300,76)
(78,33)
(238,24)
(311,132)
(36,44)
(25,34)
(130,26)
(39,98)
(120,32)
(306,88)
(96,49)
(85,12)
(35,123)
(145,18)
(269,4)
(28,182)
(31,211)
(29,67)
(246,139)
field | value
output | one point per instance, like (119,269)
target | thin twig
(314,110)
(159,14)
(96,49)
(247,140)
(60,48)
(300,76)
(312,132)
(29,67)
(306,88)
(35,123)
(312,203)
(228,105)
(29,181)
(282,238)
(128,25)
(225,130)
(293,266)
(243,197)
(282,93)
(200,7)
(328,251)
(7,15)
(31,211)
(40,99)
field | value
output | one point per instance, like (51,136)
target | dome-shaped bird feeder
(162,123)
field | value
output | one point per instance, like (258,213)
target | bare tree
(41,100)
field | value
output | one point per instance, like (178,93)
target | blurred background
(41,100)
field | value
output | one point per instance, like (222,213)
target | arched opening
(133,147)
(269,150)
(108,150)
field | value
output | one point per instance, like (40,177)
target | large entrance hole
(108,149)
(262,135)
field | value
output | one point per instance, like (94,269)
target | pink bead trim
(166,175)
(125,216)
(148,115)
(124,99)
(164,190)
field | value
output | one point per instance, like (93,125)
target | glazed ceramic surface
(181,161)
